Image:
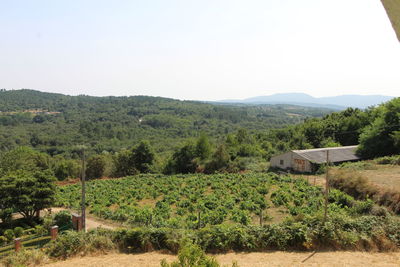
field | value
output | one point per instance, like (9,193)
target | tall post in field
(326,186)
(83,191)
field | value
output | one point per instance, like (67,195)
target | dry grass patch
(385,175)
(243,259)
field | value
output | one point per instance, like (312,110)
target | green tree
(242,136)
(28,192)
(203,147)
(381,138)
(183,160)
(66,168)
(23,158)
(219,161)
(95,167)
(143,157)
(124,164)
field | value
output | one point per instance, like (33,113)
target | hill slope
(54,122)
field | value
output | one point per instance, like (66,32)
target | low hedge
(339,232)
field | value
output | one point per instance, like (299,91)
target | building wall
(300,164)
(292,161)
(282,161)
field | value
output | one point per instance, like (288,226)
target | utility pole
(326,186)
(83,206)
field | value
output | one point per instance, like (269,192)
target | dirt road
(92,222)
(243,259)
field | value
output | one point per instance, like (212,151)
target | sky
(199,50)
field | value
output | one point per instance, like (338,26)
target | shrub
(394,160)
(9,234)
(63,219)
(40,230)
(66,245)
(25,258)
(3,240)
(379,211)
(71,243)
(48,222)
(142,239)
(364,207)
(29,231)
(18,231)
(192,256)
(225,237)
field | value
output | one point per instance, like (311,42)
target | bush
(29,231)
(48,222)
(364,207)
(25,258)
(379,211)
(71,243)
(142,239)
(192,256)
(40,230)
(63,219)
(394,160)
(9,234)
(18,231)
(3,240)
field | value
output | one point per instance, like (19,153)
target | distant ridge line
(336,102)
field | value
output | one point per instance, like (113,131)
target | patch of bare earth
(243,259)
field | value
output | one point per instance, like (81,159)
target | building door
(300,165)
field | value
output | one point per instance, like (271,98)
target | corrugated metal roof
(336,154)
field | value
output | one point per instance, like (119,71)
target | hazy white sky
(203,50)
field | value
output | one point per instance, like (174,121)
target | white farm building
(308,160)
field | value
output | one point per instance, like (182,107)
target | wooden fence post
(54,232)
(17,244)
(77,222)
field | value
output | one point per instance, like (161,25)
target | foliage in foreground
(72,243)
(32,257)
(339,232)
(192,255)
(370,233)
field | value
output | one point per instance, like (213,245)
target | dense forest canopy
(140,134)
(53,123)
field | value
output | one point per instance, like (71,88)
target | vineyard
(194,201)
(234,211)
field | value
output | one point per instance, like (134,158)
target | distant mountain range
(335,102)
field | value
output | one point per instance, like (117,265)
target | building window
(281,162)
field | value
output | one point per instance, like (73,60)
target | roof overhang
(393,10)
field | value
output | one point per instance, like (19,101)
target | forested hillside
(130,135)
(113,123)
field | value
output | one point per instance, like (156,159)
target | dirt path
(243,259)
(92,222)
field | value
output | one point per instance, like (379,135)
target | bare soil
(243,259)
